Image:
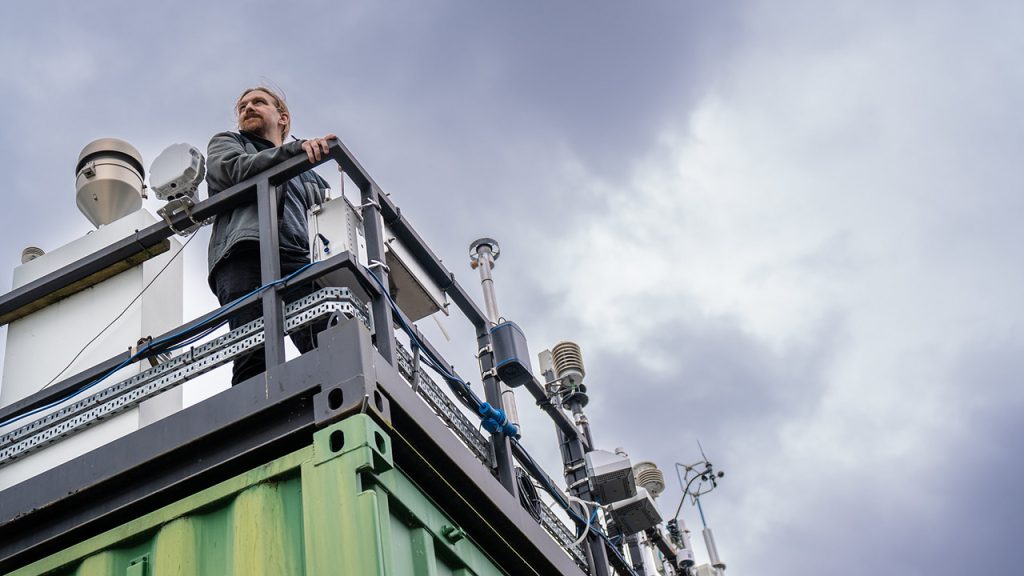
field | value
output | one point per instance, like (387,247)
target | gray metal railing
(265,190)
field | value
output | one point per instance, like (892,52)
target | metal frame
(198,360)
(260,419)
(275,412)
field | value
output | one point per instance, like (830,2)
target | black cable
(123,312)
(528,494)
(539,473)
(164,344)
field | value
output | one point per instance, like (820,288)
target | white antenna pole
(483,253)
(709,542)
(486,254)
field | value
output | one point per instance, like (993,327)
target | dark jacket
(233,157)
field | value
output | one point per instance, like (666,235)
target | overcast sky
(789,229)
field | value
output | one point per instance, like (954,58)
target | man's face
(258,115)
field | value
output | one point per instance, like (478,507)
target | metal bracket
(177,206)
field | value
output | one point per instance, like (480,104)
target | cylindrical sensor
(511,357)
(108,180)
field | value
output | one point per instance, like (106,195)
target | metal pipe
(582,424)
(636,554)
(573,450)
(267,201)
(485,262)
(384,334)
(492,392)
(484,253)
(709,542)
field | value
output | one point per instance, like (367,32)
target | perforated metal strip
(561,534)
(446,410)
(464,429)
(194,362)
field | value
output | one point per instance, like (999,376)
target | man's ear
(283,118)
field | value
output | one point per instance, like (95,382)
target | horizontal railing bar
(68,385)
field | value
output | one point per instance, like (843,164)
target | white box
(336,226)
(42,343)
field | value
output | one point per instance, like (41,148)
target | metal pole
(485,262)
(483,253)
(576,478)
(709,542)
(636,554)
(270,270)
(384,335)
(502,446)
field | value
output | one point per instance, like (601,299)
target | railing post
(492,392)
(384,334)
(267,200)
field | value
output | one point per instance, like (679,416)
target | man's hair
(279,103)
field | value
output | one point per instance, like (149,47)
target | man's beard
(254,124)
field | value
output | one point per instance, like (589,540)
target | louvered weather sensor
(175,177)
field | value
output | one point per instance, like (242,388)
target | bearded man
(234,259)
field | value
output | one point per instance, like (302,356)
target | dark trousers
(239,274)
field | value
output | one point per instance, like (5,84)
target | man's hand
(316,148)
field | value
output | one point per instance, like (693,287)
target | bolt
(452,534)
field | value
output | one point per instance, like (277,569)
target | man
(234,260)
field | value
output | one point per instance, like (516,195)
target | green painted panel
(338,506)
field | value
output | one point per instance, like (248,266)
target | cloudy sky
(789,229)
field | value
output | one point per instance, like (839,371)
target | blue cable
(452,378)
(431,361)
(149,348)
(223,310)
(428,356)
(62,400)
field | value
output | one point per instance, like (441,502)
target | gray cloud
(788,230)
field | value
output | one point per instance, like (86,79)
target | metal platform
(357,367)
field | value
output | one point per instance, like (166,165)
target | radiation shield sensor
(109,180)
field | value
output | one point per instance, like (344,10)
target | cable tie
(578,482)
(379,264)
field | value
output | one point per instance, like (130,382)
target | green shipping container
(339,506)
